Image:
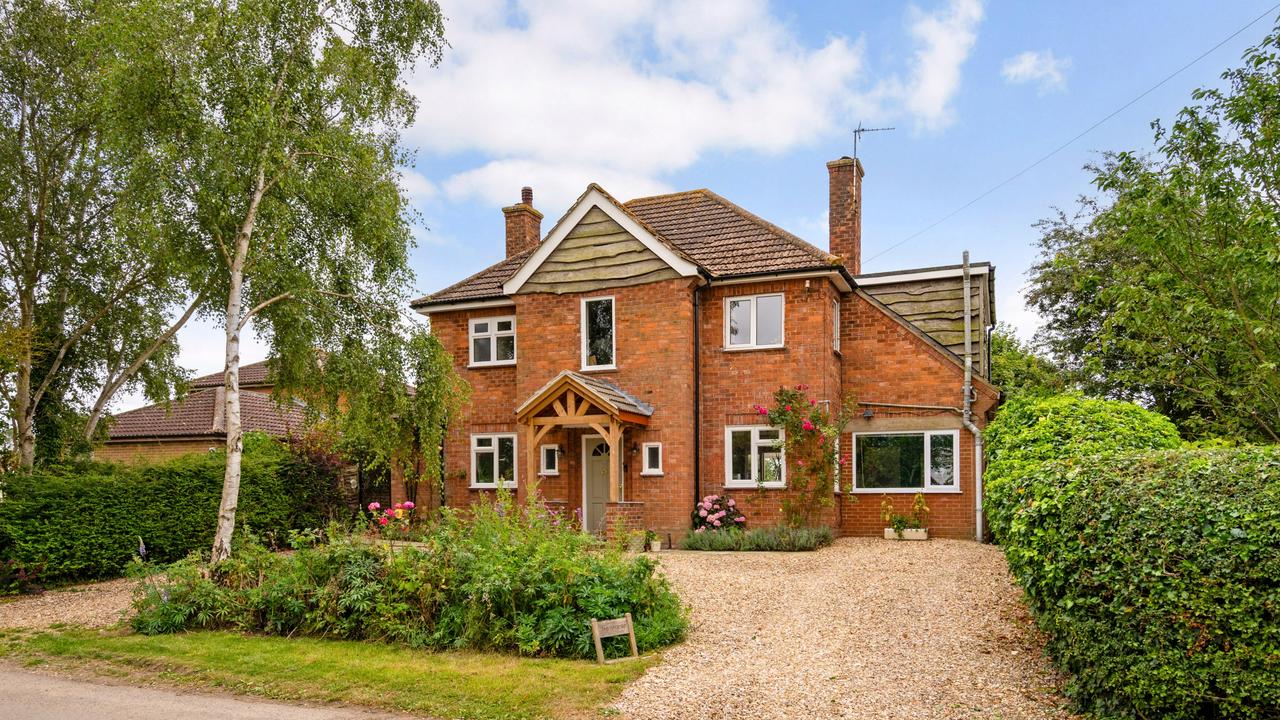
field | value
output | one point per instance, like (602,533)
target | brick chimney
(524,224)
(844,219)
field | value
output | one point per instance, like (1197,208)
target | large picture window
(754,458)
(493,341)
(906,461)
(752,322)
(598,344)
(493,460)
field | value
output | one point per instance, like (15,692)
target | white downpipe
(967,415)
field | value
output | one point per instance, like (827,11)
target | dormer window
(493,341)
(753,322)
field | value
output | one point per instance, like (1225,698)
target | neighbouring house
(617,359)
(195,423)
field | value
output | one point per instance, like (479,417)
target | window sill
(549,473)
(508,486)
(599,368)
(511,363)
(755,486)
(754,347)
(927,491)
(651,473)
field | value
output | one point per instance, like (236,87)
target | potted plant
(906,527)
(635,540)
(651,538)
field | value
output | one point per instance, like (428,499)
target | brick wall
(154,451)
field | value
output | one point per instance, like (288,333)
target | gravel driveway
(94,605)
(868,628)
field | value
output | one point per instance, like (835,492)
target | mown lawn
(436,684)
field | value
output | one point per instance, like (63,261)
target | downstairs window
(906,461)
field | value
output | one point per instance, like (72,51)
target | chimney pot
(526,196)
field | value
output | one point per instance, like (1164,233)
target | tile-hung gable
(615,360)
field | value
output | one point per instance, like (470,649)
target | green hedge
(1157,578)
(497,577)
(775,539)
(84,522)
(1029,431)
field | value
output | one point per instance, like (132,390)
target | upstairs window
(493,460)
(753,322)
(493,341)
(753,457)
(835,325)
(906,461)
(598,341)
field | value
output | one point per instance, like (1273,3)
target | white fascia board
(595,198)
(834,275)
(465,305)
(923,275)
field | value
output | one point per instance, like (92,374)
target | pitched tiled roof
(250,375)
(721,237)
(200,413)
(724,238)
(620,400)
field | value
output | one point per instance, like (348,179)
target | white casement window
(598,337)
(493,460)
(753,457)
(835,325)
(906,461)
(651,454)
(550,464)
(754,321)
(493,341)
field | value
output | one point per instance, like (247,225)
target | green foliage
(774,539)
(919,517)
(1156,576)
(1017,369)
(811,431)
(1031,430)
(1163,291)
(498,577)
(86,521)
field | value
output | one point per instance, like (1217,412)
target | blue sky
(751,99)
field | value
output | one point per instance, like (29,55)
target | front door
(595,482)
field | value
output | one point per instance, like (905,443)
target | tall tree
(85,283)
(1166,290)
(1016,367)
(275,125)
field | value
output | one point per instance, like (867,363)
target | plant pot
(907,534)
(655,545)
(636,545)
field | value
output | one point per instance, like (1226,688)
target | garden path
(867,628)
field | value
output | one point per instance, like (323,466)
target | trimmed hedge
(1029,431)
(84,522)
(1157,578)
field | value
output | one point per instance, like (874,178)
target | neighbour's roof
(201,413)
(725,240)
(250,375)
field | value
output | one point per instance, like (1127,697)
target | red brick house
(617,358)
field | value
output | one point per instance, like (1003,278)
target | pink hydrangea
(703,512)
(732,502)
(408,505)
(739,519)
(716,523)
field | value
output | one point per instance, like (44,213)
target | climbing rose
(807,425)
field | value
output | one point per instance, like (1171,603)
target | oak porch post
(615,459)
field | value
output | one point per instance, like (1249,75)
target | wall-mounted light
(868,414)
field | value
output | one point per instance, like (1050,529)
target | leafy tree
(1017,369)
(1165,292)
(85,280)
(273,126)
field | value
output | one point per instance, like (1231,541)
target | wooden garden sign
(601,629)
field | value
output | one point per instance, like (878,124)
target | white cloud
(576,91)
(1043,68)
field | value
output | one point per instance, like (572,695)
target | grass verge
(461,684)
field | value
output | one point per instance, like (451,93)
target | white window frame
(928,486)
(752,345)
(493,334)
(613,320)
(835,324)
(542,460)
(756,443)
(515,460)
(644,459)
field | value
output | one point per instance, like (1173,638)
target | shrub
(717,512)
(1156,576)
(493,578)
(87,521)
(1032,430)
(17,579)
(777,539)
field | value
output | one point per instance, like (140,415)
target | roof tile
(200,413)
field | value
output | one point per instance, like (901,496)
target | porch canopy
(575,400)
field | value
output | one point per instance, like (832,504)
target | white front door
(595,482)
